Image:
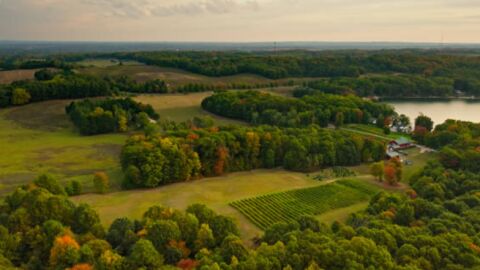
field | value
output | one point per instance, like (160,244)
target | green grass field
(38,138)
(180,107)
(375,131)
(215,192)
(287,206)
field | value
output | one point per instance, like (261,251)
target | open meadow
(182,107)
(172,76)
(39,138)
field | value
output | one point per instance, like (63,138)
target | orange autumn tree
(65,251)
(390,174)
(83,266)
(222,155)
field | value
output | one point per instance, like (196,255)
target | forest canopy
(109,115)
(188,154)
(321,109)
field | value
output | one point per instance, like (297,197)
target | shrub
(101,182)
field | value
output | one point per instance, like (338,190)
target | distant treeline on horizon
(48,47)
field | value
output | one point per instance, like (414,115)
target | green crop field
(268,209)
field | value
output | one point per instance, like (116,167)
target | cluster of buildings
(395,147)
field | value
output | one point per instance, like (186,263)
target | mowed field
(215,192)
(182,107)
(38,138)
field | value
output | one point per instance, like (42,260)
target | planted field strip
(268,209)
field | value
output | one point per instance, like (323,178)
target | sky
(453,21)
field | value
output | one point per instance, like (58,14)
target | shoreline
(432,98)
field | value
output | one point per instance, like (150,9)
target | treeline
(391,86)
(188,154)
(50,85)
(321,109)
(109,115)
(202,87)
(458,142)
(314,64)
(127,84)
(64,86)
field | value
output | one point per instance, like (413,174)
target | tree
(144,255)
(377,170)
(398,165)
(424,121)
(44,75)
(101,182)
(73,188)
(161,232)
(390,174)
(65,252)
(121,235)
(20,96)
(49,183)
(86,220)
(205,238)
(339,119)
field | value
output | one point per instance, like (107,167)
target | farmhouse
(401,143)
(392,154)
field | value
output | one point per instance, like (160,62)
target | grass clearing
(215,192)
(38,138)
(341,214)
(376,131)
(182,107)
(287,206)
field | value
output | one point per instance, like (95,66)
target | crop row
(288,206)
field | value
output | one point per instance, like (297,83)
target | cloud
(142,8)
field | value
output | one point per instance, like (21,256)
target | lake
(439,110)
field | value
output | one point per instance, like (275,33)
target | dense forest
(321,109)
(391,73)
(62,86)
(109,115)
(310,64)
(435,227)
(188,154)
(395,86)
(50,85)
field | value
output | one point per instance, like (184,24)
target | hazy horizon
(245,21)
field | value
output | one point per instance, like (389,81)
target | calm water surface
(439,110)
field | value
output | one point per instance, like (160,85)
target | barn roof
(402,140)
